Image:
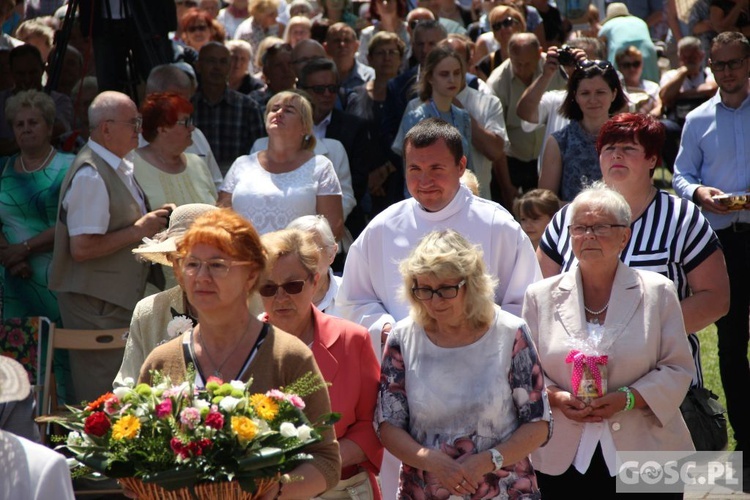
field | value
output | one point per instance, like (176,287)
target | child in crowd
(534,210)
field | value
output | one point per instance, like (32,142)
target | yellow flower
(244,428)
(266,408)
(126,428)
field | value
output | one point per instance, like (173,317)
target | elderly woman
(29,191)
(230,343)
(616,359)
(341,348)
(669,234)
(324,297)
(261,23)
(643,94)
(273,187)
(240,78)
(570,159)
(165,172)
(460,431)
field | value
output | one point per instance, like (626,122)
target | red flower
(97,424)
(215,420)
(16,338)
(164,409)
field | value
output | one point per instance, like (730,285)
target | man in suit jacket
(320,79)
(103,214)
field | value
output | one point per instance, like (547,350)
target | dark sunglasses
(321,89)
(588,63)
(632,64)
(290,287)
(508,22)
(197,27)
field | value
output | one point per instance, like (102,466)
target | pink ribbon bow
(580,360)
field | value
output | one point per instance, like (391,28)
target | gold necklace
(217,368)
(41,165)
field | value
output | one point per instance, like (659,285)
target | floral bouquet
(180,438)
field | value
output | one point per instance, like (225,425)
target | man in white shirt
(102,216)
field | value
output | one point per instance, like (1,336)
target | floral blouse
(463,400)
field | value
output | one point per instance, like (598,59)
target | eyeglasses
(196,27)
(508,22)
(719,66)
(290,287)
(384,53)
(631,64)
(597,229)
(588,63)
(185,122)
(321,89)
(444,292)
(136,123)
(217,268)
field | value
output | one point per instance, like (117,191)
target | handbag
(705,419)
(357,487)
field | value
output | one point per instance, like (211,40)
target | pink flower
(296,401)
(276,394)
(111,405)
(16,337)
(164,409)
(214,379)
(215,420)
(190,417)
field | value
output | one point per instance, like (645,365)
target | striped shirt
(671,238)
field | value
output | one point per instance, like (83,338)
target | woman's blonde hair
(295,242)
(257,7)
(447,255)
(303,107)
(230,233)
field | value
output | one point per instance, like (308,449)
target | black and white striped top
(671,238)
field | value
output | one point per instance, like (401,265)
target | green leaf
(101,464)
(265,457)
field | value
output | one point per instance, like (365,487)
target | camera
(565,56)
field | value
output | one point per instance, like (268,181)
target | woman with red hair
(198,28)
(165,172)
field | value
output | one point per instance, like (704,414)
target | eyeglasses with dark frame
(290,287)
(197,27)
(444,292)
(136,123)
(732,64)
(321,89)
(630,64)
(508,22)
(217,268)
(597,229)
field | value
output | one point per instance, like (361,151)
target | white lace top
(271,201)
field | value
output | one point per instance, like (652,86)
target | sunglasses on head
(290,287)
(508,22)
(588,63)
(631,64)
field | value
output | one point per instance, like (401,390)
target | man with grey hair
(508,82)
(171,78)
(102,215)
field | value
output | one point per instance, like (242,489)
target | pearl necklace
(23,165)
(596,313)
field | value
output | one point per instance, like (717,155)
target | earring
(307,138)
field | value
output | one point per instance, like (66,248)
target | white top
(328,303)
(87,199)
(370,292)
(31,471)
(334,151)
(272,201)
(229,21)
(550,116)
(487,110)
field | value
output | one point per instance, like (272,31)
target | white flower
(263,427)
(229,403)
(304,432)
(128,382)
(237,385)
(288,430)
(179,325)
(74,439)
(120,392)
(201,404)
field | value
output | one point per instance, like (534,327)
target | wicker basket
(206,491)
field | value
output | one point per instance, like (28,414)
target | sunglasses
(588,63)
(631,64)
(290,287)
(197,27)
(508,22)
(321,89)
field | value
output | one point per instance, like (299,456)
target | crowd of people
(443,208)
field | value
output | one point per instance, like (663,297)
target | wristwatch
(497,458)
